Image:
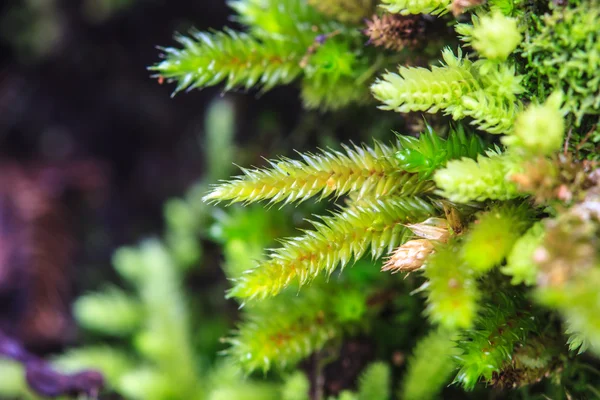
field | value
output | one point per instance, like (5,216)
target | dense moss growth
(494,214)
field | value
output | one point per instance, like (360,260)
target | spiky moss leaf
(579,303)
(493,235)
(281,19)
(336,240)
(430,367)
(405,7)
(540,129)
(430,152)
(576,341)
(374,383)
(283,332)
(492,108)
(452,291)
(458,89)
(520,264)
(489,346)
(111,311)
(371,172)
(352,11)
(420,89)
(488,178)
(238,59)
(113,363)
(488,112)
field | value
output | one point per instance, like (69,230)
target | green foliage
(486,93)
(368,171)
(283,333)
(419,89)
(578,302)
(494,36)
(405,7)
(111,312)
(539,129)
(453,294)
(286,40)
(562,54)
(488,347)
(374,383)
(520,264)
(237,59)
(296,387)
(165,338)
(488,178)
(433,362)
(493,236)
(531,71)
(282,19)
(430,152)
(336,240)
(13,382)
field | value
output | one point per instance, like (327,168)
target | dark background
(84,128)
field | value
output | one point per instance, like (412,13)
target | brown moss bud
(395,32)
(409,257)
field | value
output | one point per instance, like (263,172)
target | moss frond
(283,336)
(370,172)
(452,291)
(336,240)
(488,347)
(238,59)
(430,152)
(405,7)
(488,111)
(482,91)
(421,89)
(520,264)
(374,383)
(432,362)
(488,178)
(491,239)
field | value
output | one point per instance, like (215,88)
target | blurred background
(85,130)
(95,155)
